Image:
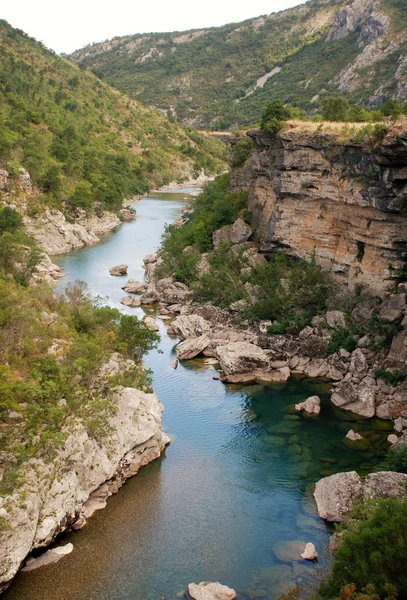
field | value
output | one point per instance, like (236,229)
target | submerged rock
(208,590)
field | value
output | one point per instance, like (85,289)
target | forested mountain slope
(219,76)
(82,141)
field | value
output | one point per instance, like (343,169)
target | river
(233,488)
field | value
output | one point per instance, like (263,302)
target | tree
(10,220)
(335,108)
(392,108)
(273,117)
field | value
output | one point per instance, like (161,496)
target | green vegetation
(51,352)
(209,78)
(390,377)
(241,151)
(81,141)
(273,117)
(372,555)
(18,254)
(396,460)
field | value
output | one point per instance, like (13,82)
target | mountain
(220,76)
(82,141)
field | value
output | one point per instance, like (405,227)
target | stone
(359,399)
(305,333)
(241,357)
(358,363)
(48,558)
(134,287)
(335,494)
(151,296)
(150,323)
(310,552)
(288,551)
(352,436)
(190,326)
(335,319)
(207,590)
(150,259)
(239,305)
(131,301)
(238,233)
(355,441)
(174,363)
(264,326)
(192,347)
(335,541)
(118,270)
(392,438)
(311,405)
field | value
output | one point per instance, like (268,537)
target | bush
(10,220)
(396,460)
(342,338)
(373,552)
(273,117)
(392,378)
(241,152)
(335,108)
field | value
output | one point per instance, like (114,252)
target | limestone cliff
(311,193)
(64,492)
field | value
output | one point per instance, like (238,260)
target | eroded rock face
(238,233)
(55,493)
(304,197)
(208,590)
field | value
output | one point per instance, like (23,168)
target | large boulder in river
(118,270)
(189,326)
(357,398)
(208,590)
(334,495)
(241,357)
(192,347)
(238,233)
(311,405)
(134,287)
(131,301)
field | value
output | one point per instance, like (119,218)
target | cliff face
(67,490)
(308,193)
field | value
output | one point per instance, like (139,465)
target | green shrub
(241,152)
(273,117)
(342,338)
(335,108)
(10,220)
(392,378)
(396,460)
(373,552)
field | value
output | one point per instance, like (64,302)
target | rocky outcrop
(208,590)
(55,235)
(361,16)
(238,233)
(54,496)
(192,347)
(311,405)
(133,286)
(241,357)
(187,326)
(335,495)
(311,194)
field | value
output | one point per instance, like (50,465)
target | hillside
(220,76)
(80,140)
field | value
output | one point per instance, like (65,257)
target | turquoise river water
(233,488)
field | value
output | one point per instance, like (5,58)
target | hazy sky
(69,25)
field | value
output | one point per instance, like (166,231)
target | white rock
(392,438)
(241,357)
(352,436)
(310,552)
(131,301)
(118,270)
(207,590)
(190,326)
(192,347)
(134,287)
(334,495)
(312,405)
(174,363)
(48,558)
(335,319)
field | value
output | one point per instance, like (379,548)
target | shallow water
(233,487)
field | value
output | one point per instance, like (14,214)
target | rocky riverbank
(62,492)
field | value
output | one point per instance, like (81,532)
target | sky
(67,26)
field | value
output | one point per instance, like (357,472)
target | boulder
(192,347)
(207,590)
(174,363)
(311,405)
(355,441)
(335,319)
(238,233)
(335,494)
(310,552)
(150,259)
(241,357)
(131,301)
(150,323)
(359,399)
(385,484)
(190,326)
(118,270)
(134,287)
(352,436)
(151,296)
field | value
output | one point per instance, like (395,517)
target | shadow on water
(232,496)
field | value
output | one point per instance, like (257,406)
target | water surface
(234,486)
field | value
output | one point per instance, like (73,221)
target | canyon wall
(310,193)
